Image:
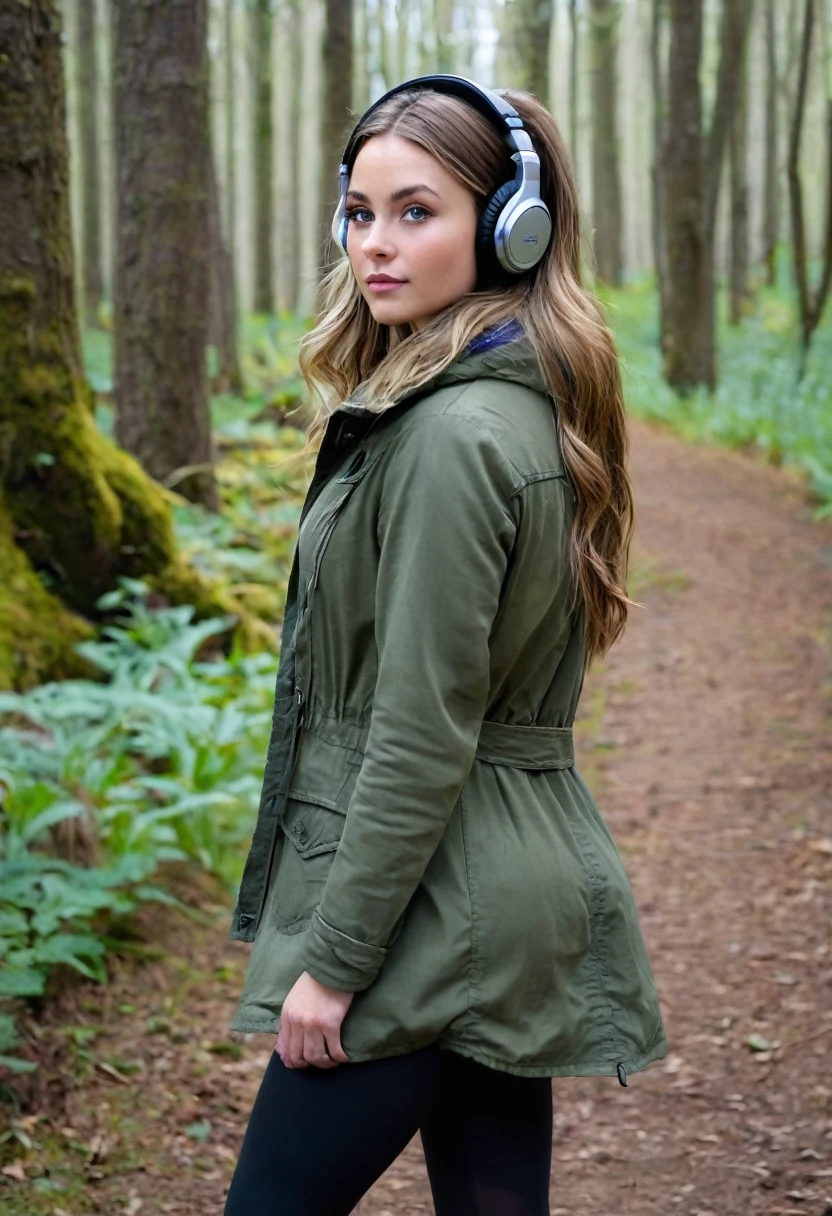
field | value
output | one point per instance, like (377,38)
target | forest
(168,178)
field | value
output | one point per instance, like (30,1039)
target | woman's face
(412,222)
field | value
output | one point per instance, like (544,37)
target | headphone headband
(515,227)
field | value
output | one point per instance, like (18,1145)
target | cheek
(448,257)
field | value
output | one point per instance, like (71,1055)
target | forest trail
(706,736)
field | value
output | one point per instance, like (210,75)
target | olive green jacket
(424,837)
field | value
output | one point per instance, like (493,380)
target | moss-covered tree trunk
(163,244)
(75,512)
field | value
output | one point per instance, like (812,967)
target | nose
(376,241)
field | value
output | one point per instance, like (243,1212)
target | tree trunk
(287,84)
(692,171)
(811,301)
(223,293)
(261,15)
(606,182)
(738,150)
(230,141)
(360,66)
(689,339)
(76,513)
(337,100)
(532,20)
(659,233)
(574,83)
(443,16)
(162,280)
(87,66)
(771,199)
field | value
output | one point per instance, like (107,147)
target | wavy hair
(347,355)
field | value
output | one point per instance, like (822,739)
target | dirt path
(707,738)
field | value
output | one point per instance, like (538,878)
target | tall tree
(574,81)
(75,512)
(532,23)
(163,242)
(337,100)
(811,300)
(87,76)
(691,174)
(443,18)
(261,42)
(606,178)
(658,229)
(739,290)
(230,111)
(288,39)
(771,192)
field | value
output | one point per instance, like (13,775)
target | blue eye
(418,207)
(355,212)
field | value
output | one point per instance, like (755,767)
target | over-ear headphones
(515,226)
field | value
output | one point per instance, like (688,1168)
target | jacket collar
(515,361)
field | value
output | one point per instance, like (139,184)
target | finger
(282,1043)
(314,1049)
(333,1045)
(296,1035)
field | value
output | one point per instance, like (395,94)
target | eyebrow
(398,194)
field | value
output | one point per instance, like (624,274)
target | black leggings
(318,1138)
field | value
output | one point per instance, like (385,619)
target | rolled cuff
(339,961)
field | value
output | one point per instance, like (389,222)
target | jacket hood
(515,361)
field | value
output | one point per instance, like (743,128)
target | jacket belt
(532,747)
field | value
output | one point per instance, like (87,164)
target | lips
(380,283)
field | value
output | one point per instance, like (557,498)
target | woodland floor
(706,737)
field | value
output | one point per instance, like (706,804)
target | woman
(441,920)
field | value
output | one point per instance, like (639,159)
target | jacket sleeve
(445,530)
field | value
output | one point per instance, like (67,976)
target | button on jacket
(424,837)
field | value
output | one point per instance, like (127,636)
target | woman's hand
(310,1025)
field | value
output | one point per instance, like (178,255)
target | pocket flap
(312,828)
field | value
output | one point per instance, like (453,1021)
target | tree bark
(689,339)
(229,378)
(659,233)
(287,85)
(739,292)
(162,279)
(771,199)
(606,180)
(261,16)
(230,140)
(811,301)
(337,100)
(692,170)
(532,21)
(76,513)
(574,81)
(87,77)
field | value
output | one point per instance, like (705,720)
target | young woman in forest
(441,919)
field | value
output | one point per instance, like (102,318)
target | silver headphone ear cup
(522,235)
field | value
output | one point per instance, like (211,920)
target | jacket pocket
(345,486)
(312,834)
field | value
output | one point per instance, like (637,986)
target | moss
(37,633)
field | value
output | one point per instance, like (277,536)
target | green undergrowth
(759,403)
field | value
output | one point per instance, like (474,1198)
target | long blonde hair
(347,349)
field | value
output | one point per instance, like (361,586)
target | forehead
(384,161)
